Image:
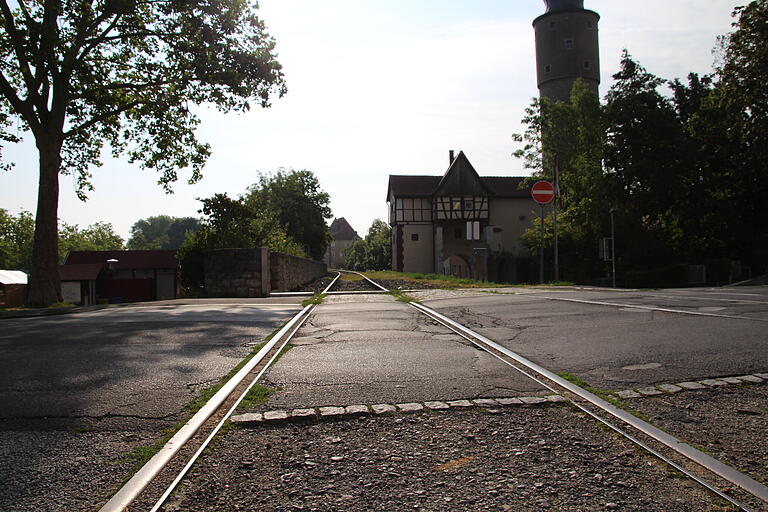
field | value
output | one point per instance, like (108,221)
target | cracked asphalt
(79,391)
(615,339)
(376,349)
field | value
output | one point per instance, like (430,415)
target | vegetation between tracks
(402,297)
(316,299)
(257,394)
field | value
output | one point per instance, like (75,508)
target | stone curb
(713,383)
(350,411)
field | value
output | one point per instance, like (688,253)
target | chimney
(450,157)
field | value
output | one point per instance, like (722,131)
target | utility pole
(541,250)
(613,248)
(554,216)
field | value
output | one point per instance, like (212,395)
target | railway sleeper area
(383,403)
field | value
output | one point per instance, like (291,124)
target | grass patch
(402,297)
(605,395)
(445,281)
(316,299)
(257,395)
(350,277)
(436,279)
(602,393)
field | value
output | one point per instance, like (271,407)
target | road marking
(676,296)
(653,308)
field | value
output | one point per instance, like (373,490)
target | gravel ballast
(543,458)
(62,471)
(729,422)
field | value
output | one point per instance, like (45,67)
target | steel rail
(144,476)
(715,466)
(724,471)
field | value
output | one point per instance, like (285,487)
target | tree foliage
(299,204)
(161,232)
(99,236)
(16,234)
(231,223)
(85,75)
(685,167)
(374,252)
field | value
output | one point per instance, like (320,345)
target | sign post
(542,192)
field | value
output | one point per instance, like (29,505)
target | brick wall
(237,273)
(289,272)
(256,272)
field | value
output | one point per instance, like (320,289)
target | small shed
(122,275)
(13,288)
(78,282)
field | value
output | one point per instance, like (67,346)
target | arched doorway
(456,265)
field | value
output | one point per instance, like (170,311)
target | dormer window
(569,44)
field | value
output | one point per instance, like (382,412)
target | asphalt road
(141,361)
(79,392)
(619,339)
(373,349)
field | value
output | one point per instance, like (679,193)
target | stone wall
(289,272)
(237,273)
(256,272)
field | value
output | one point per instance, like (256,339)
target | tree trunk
(44,283)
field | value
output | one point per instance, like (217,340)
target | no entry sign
(543,192)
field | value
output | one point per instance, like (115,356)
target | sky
(380,87)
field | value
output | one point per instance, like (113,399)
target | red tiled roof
(125,259)
(80,272)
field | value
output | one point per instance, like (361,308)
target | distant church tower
(566,48)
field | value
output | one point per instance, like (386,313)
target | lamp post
(612,211)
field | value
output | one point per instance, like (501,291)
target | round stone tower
(566,48)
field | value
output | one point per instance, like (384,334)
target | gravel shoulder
(528,459)
(64,471)
(730,423)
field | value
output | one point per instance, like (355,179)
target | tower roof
(563,5)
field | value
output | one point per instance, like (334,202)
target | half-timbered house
(460,223)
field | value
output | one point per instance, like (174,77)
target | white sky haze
(381,87)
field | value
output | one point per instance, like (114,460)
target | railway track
(153,484)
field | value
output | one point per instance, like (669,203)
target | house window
(587,65)
(522,218)
(473,230)
(569,44)
(590,25)
(469,204)
(552,25)
(456,204)
(415,237)
(547,68)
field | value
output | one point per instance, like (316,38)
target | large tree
(82,75)
(374,252)
(300,205)
(16,234)
(99,236)
(161,232)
